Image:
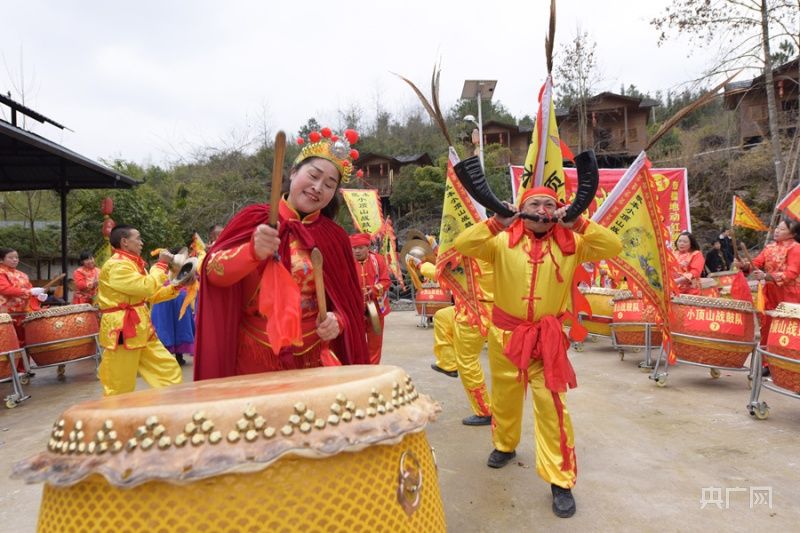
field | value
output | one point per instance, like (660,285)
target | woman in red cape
(234,335)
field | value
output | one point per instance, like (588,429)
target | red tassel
(566,451)
(279,301)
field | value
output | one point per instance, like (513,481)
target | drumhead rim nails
(785,310)
(156,447)
(708,301)
(5,318)
(62,310)
(605,291)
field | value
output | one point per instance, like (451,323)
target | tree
(745,31)
(576,78)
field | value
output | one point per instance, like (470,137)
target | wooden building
(616,130)
(749,100)
(378,168)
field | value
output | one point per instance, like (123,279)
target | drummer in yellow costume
(126,333)
(534,264)
(466,343)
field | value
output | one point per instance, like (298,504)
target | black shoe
(180,359)
(765,372)
(498,459)
(451,373)
(477,420)
(563,502)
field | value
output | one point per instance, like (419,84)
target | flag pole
(733,230)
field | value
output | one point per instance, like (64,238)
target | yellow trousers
(119,367)
(468,343)
(443,333)
(508,405)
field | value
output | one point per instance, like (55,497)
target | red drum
(632,309)
(708,287)
(784,340)
(8,343)
(433,297)
(700,325)
(600,300)
(66,323)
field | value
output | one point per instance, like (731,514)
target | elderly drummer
(126,332)
(373,275)
(17,295)
(534,266)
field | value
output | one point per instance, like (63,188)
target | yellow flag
(365,209)
(632,212)
(454,272)
(744,217)
(544,163)
(791,204)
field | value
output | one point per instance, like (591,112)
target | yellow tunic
(529,290)
(123,282)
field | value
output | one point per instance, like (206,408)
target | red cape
(219,309)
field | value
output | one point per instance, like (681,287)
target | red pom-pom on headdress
(300,140)
(326,132)
(351,136)
(314,137)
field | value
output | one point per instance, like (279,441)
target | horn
(471,176)
(178,260)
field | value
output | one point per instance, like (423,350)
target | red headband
(360,239)
(539,191)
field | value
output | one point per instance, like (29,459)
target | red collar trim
(138,261)
(287,212)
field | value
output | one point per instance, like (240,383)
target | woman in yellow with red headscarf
(534,265)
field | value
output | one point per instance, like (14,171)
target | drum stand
(760,410)
(61,375)
(661,377)
(647,364)
(16,379)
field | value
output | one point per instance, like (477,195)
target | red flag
(740,290)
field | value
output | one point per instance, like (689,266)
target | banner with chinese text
(365,209)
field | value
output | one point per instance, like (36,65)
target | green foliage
(18,237)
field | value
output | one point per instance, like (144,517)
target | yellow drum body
(68,324)
(324,449)
(600,300)
(433,297)
(8,343)
(701,325)
(632,309)
(784,339)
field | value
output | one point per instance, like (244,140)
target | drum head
(244,423)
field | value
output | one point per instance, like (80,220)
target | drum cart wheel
(715,373)
(644,367)
(24,379)
(760,410)
(578,346)
(661,381)
(11,403)
(61,373)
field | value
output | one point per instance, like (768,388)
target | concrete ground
(648,457)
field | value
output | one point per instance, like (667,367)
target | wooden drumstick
(277,177)
(53,281)
(319,284)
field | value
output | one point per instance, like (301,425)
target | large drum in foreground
(600,300)
(433,297)
(784,340)
(323,449)
(8,343)
(66,324)
(630,314)
(712,331)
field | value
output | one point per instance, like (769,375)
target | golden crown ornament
(327,145)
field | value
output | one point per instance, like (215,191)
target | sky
(156,82)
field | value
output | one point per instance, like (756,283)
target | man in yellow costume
(534,264)
(458,340)
(126,333)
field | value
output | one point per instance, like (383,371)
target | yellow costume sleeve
(478,241)
(428,270)
(598,242)
(125,278)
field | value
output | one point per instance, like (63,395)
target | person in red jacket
(86,279)
(690,262)
(373,275)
